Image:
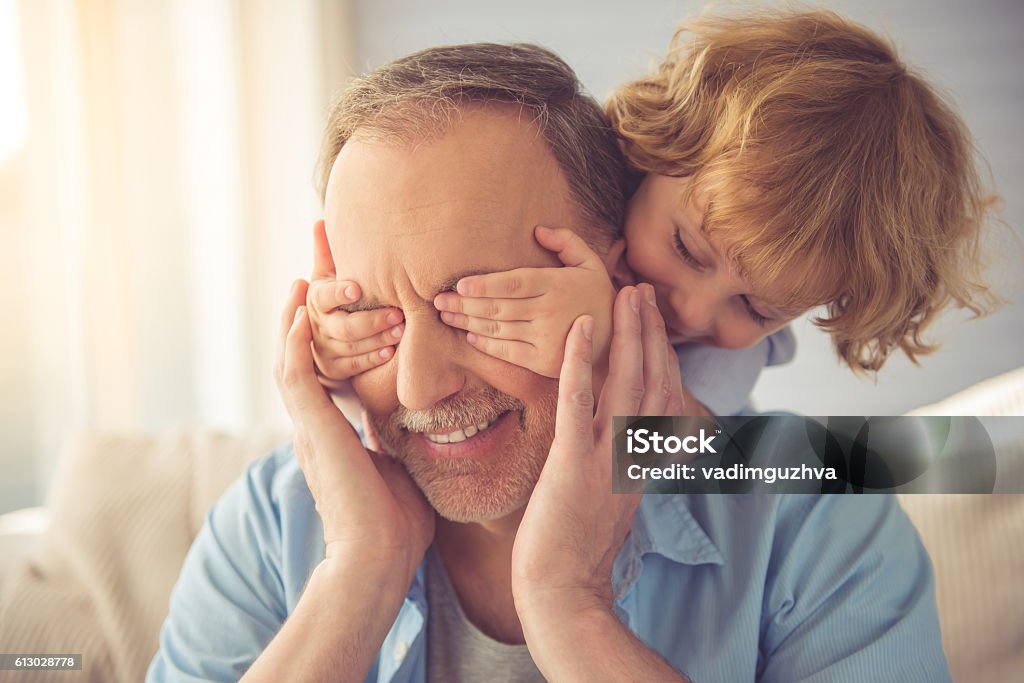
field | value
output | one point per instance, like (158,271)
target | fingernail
(464,287)
(471,337)
(588,328)
(649,293)
(440,302)
(350,293)
(447,317)
(634,300)
(392,318)
(396,332)
(385,353)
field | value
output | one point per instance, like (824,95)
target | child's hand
(523,316)
(345,344)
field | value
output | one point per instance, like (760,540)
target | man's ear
(615,263)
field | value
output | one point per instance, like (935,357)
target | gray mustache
(457,411)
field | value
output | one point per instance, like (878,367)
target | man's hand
(522,316)
(574,526)
(367,502)
(376,524)
(345,344)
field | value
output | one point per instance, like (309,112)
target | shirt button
(401,650)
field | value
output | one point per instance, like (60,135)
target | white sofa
(92,572)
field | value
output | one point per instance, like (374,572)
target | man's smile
(476,440)
(458,435)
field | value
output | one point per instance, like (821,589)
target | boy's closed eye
(688,257)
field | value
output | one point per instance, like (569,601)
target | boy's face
(701,295)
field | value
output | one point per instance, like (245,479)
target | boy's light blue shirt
(724,588)
(722,379)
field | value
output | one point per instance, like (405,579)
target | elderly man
(486,544)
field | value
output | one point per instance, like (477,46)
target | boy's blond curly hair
(844,169)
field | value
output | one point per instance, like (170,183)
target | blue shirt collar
(663,525)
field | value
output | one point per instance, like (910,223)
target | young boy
(791,161)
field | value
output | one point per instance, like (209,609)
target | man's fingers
(298,380)
(327,295)
(498,329)
(323,260)
(677,400)
(570,247)
(296,295)
(311,409)
(624,389)
(574,418)
(372,440)
(520,283)
(655,347)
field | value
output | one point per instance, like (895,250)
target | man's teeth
(459,434)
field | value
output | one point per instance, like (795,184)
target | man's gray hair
(418,96)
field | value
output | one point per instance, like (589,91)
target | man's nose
(427,357)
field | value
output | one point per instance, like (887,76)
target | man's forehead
(464,203)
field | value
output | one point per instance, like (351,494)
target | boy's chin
(677,337)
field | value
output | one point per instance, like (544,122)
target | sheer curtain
(154,212)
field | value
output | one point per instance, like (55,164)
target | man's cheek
(513,380)
(377,389)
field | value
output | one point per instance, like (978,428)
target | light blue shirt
(722,379)
(725,588)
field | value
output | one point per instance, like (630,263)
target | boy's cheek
(741,334)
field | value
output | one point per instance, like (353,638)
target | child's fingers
(356,347)
(323,261)
(515,352)
(329,383)
(352,327)
(520,283)
(340,368)
(570,247)
(498,329)
(493,309)
(327,295)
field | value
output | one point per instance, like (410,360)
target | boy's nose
(696,313)
(428,370)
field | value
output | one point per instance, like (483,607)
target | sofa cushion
(123,513)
